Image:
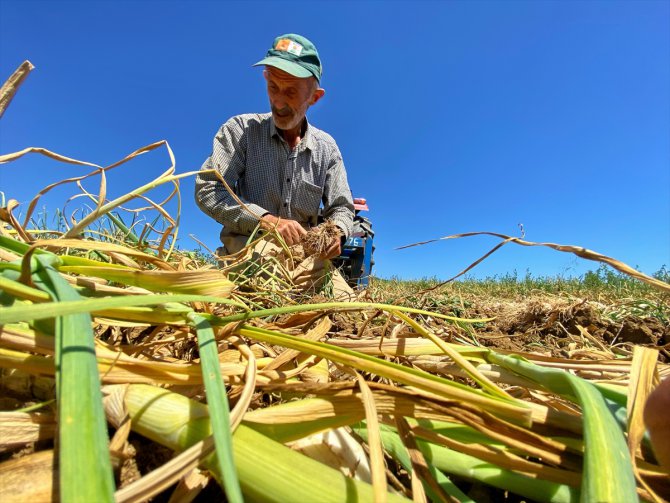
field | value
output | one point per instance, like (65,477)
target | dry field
(591,331)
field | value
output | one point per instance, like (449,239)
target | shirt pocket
(306,202)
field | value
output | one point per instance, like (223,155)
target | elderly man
(281,167)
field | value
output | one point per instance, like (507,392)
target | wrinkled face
(290,97)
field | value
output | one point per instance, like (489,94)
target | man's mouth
(284,112)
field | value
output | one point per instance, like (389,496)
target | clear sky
(452,116)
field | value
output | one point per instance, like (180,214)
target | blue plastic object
(355,262)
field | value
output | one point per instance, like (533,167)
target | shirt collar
(307,140)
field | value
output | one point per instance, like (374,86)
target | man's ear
(317,95)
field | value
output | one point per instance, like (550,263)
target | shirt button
(288,179)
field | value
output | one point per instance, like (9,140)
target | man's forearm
(214,200)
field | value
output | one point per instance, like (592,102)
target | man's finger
(291,231)
(300,229)
(296,232)
(333,250)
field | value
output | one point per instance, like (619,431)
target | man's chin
(284,122)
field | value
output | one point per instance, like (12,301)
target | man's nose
(278,101)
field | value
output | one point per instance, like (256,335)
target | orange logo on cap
(283,44)
(287,45)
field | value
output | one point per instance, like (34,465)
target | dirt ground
(562,326)
(551,325)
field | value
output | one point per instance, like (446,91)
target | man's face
(290,97)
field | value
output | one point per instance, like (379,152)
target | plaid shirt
(269,177)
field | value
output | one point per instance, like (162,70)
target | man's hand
(333,250)
(290,230)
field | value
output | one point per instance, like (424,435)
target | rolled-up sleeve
(338,205)
(228,158)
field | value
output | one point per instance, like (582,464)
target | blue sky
(451,116)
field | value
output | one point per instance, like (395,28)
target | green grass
(600,284)
(616,296)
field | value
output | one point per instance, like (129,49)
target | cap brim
(288,66)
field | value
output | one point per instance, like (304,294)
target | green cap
(294,54)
